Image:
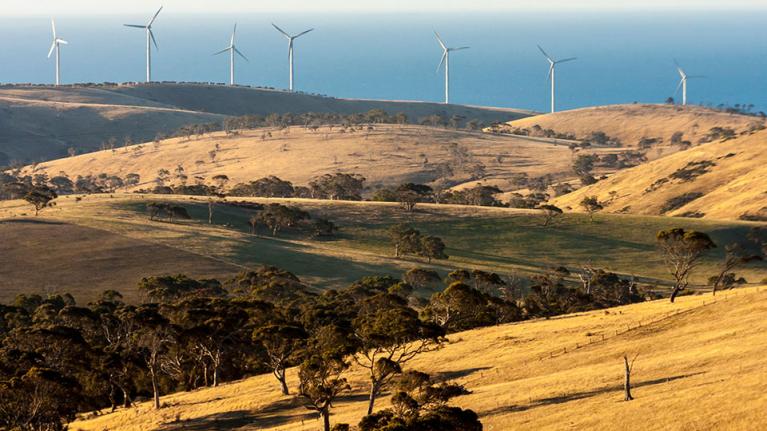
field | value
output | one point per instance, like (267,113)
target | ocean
(622,57)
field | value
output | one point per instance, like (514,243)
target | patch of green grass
(504,242)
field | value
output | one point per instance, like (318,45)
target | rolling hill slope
(723,180)
(632,123)
(700,366)
(41,123)
(388,155)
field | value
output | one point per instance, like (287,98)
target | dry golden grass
(631,123)
(736,185)
(387,155)
(701,369)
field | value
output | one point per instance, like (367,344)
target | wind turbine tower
(149,41)
(56,46)
(291,39)
(446,60)
(232,49)
(683,82)
(552,75)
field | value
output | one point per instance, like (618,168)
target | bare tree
(627,378)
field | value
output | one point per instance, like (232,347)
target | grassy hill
(700,366)
(723,180)
(110,234)
(630,124)
(387,155)
(41,123)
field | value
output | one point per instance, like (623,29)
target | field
(42,123)
(506,241)
(700,365)
(42,256)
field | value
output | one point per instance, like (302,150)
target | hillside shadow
(444,376)
(580,395)
(275,414)
(32,221)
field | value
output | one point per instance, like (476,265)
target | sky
(102,7)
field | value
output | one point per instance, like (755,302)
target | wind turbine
(56,45)
(552,75)
(446,60)
(290,49)
(149,40)
(683,82)
(232,49)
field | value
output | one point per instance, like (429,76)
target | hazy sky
(50,7)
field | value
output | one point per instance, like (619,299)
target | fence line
(642,324)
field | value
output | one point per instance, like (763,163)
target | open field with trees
(515,243)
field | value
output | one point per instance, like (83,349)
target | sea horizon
(627,58)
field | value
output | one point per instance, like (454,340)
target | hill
(42,123)
(387,155)
(722,180)
(700,366)
(630,124)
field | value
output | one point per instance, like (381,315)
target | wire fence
(645,323)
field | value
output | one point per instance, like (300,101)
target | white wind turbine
(552,75)
(232,49)
(683,82)
(446,60)
(291,38)
(56,45)
(149,40)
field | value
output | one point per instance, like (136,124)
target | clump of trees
(277,217)
(167,211)
(407,240)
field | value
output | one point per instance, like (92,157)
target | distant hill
(41,123)
(723,180)
(630,124)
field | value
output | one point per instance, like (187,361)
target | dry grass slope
(388,155)
(631,123)
(700,366)
(735,183)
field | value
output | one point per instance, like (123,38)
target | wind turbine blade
(53,46)
(151,21)
(458,49)
(441,43)
(551,71)
(151,35)
(53,26)
(302,33)
(62,41)
(134,25)
(566,60)
(240,54)
(222,51)
(678,87)
(544,53)
(696,76)
(234,32)
(281,31)
(442,61)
